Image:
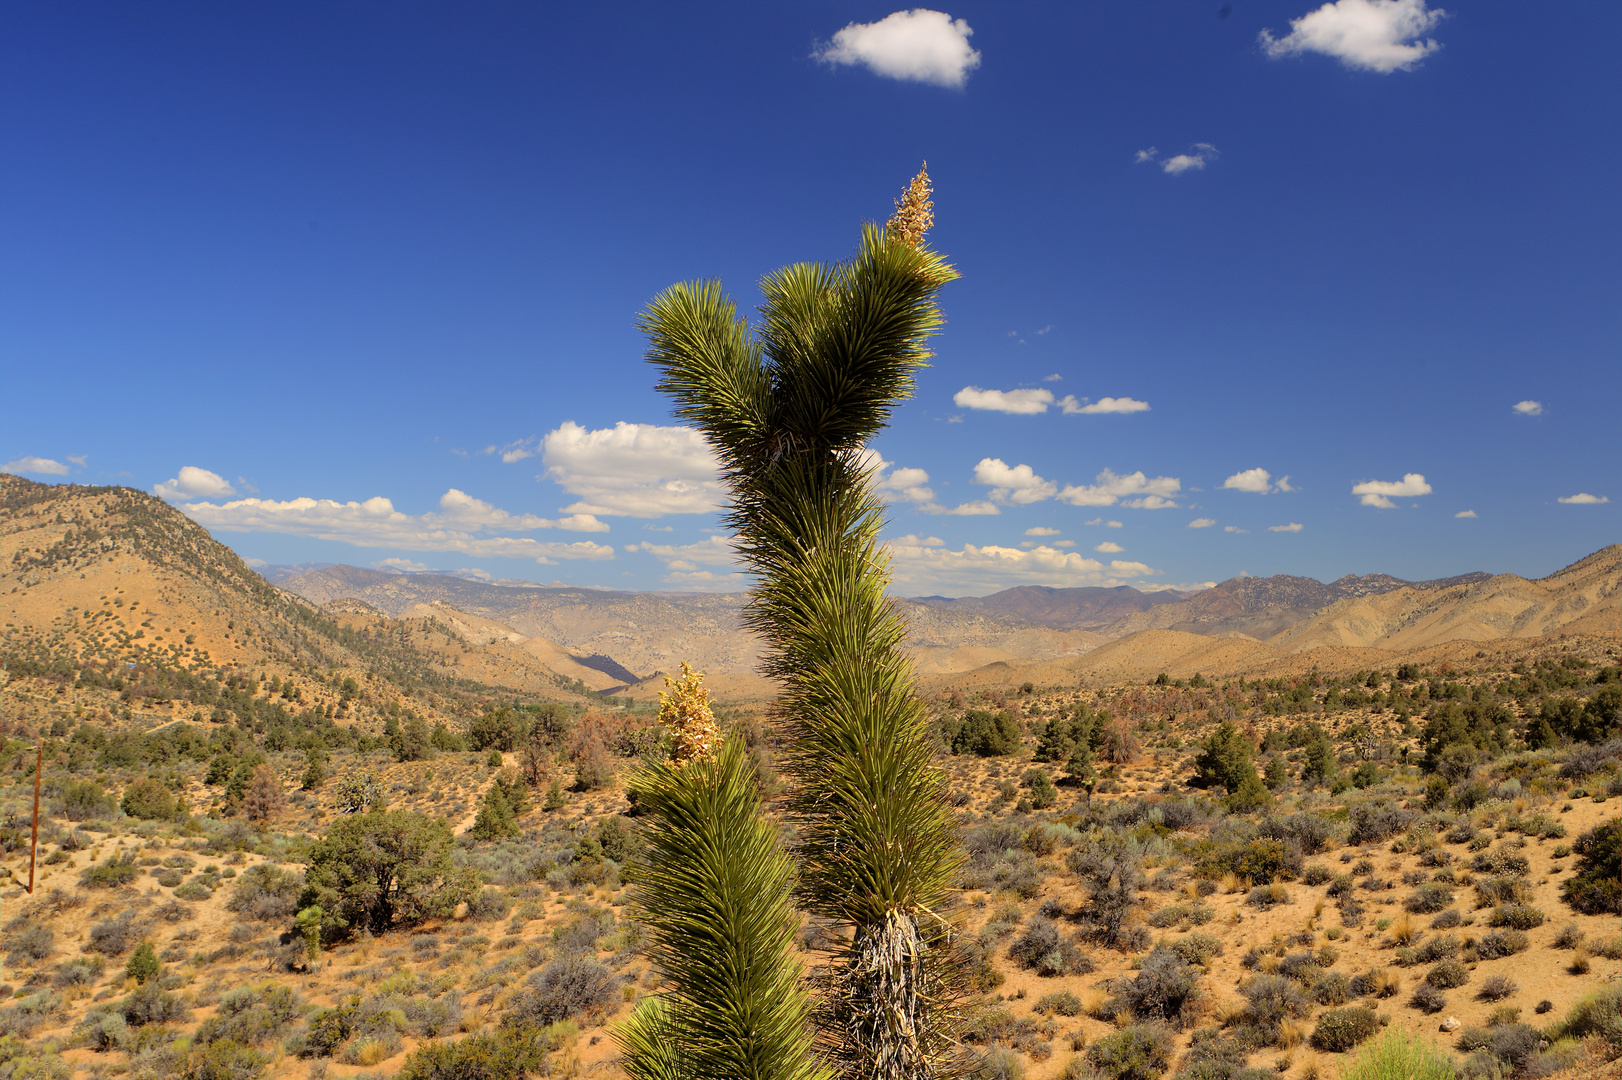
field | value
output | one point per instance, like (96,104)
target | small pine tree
(554,796)
(1043,792)
(495,820)
(493,759)
(315,771)
(1277,774)
(144,964)
(1320,761)
(1080,768)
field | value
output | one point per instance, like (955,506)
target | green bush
(1397,1055)
(149,799)
(384,869)
(508,1054)
(1197,948)
(1339,1030)
(1062,1002)
(84,800)
(1595,888)
(1598,1013)
(143,963)
(1517,916)
(986,734)
(115,871)
(1429,898)
(225,1060)
(1447,975)
(1139,1052)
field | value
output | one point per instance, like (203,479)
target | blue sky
(357,282)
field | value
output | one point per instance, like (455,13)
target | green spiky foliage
(714,890)
(788,409)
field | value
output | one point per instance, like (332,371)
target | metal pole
(33,843)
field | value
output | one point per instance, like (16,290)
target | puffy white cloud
(78,459)
(1196,157)
(1133,490)
(1202,523)
(633,470)
(973,508)
(1017,484)
(461,525)
(1583,498)
(194,483)
(711,551)
(1370,35)
(1234,529)
(1041,530)
(1292,527)
(1106,524)
(1064,543)
(1019,402)
(405,566)
(1528,408)
(1465,514)
(918,45)
(1109,547)
(1145,155)
(1257,481)
(908,486)
(35,466)
(972,570)
(1381,492)
(1071,405)
(914,540)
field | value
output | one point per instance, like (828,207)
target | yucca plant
(713,889)
(788,408)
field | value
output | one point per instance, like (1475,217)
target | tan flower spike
(914,213)
(685,710)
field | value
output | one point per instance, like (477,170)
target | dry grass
(1404,931)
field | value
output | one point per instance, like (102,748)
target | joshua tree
(714,889)
(788,408)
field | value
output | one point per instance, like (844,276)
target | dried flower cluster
(685,710)
(914,213)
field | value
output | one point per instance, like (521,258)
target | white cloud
(1109,547)
(1055,377)
(975,508)
(1257,481)
(918,45)
(1134,490)
(1071,405)
(1064,543)
(1292,527)
(1016,484)
(914,540)
(1198,156)
(1583,498)
(1202,523)
(1528,408)
(1381,492)
(35,466)
(1041,530)
(1234,529)
(463,524)
(1020,402)
(79,459)
(711,551)
(1371,35)
(1465,514)
(194,483)
(405,566)
(1101,521)
(922,570)
(907,486)
(633,470)
(1048,329)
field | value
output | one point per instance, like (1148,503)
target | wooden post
(33,842)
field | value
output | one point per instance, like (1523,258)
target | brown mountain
(1091,608)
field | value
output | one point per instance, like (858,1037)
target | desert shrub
(1598,1013)
(1501,861)
(1569,937)
(508,1054)
(112,937)
(999,1063)
(1267,896)
(1429,898)
(1331,988)
(1163,988)
(266,893)
(34,941)
(1211,1056)
(1197,948)
(1491,892)
(1595,888)
(1272,998)
(1517,916)
(329,1028)
(1380,983)
(1139,1052)
(1447,920)
(1108,865)
(149,799)
(1496,988)
(1043,950)
(1513,1044)
(112,872)
(564,989)
(1501,943)
(149,1003)
(488,905)
(81,971)
(27,1012)
(1426,998)
(1260,860)
(84,800)
(1308,832)
(143,963)
(1372,824)
(1447,974)
(1061,1002)
(225,1060)
(1339,1030)
(195,889)
(1316,874)
(1396,1055)
(1445,947)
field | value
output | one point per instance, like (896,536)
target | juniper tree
(788,407)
